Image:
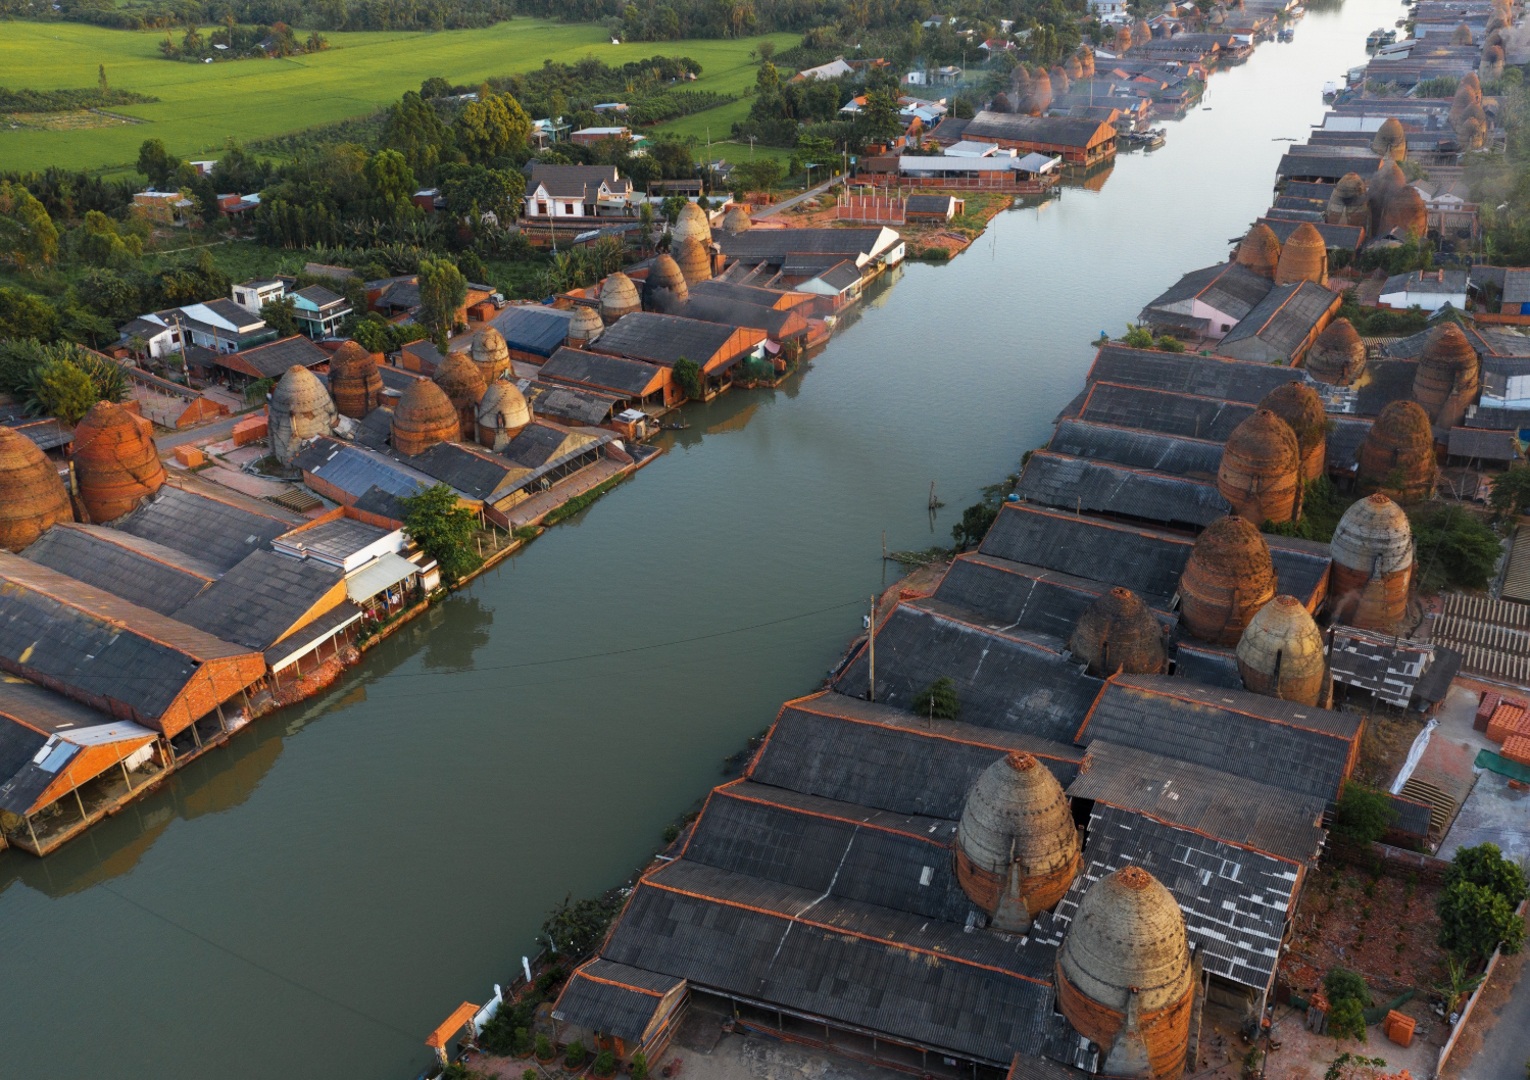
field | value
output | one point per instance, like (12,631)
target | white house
(834,69)
(223,326)
(1101,9)
(160,334)
(577,191)
(1427,289)
(256,294)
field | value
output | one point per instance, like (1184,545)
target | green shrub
(573,1057)
(544,1048)
(640,1066)
(1455,548)
(938,700)
(1341,984)
(605,1063)
(1364,814)
(1347,1018)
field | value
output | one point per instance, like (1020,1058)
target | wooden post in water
(871,653)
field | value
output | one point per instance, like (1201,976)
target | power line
(412,1037)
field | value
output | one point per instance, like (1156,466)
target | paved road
(1506,1045)
(216,431)
(810,193)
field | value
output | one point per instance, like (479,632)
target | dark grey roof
(1391,668)
(1299,748)
(1346,237)
(1487,445)
(1104,487)
(1236,809)
(257,602)
(1001,680)
(1020,596)
(618,373)
(1209,665)
(1344,439)
(140,571)
(1166,411)
(375,428)
(532,328)
(570,405)
(818,844)
(1184,373)
(872,755)
(21,781)
(319,296)
(928,982)
(1386,381)
(45,432)
(272,361)
(840,276)
(575,181)
(336,618)
(1049,130)
(95,645)
(773,245)
(1325,163)
(1284,319)
(215,530)
(753,295)
(929,204)
(536,444)
(1146,562)
(663,339)
(778,325)
(613,999)
(356,470)
(474,472)
(1235,901)
(1172,454)
(1232,289)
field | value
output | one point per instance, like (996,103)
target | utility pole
(871,652)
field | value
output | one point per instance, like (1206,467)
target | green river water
(312,899)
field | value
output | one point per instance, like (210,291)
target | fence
(878,209)
(1471,1002)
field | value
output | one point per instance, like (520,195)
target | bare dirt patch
(80,120)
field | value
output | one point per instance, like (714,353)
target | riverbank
(646,645)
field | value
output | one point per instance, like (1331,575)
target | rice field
(201,106)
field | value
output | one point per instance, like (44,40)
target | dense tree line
(327,15)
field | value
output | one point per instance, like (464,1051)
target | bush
(573,1057)
(1485,865)
(531,1074)
(938,700)
(640,1066)
(1341,984)
(1475,920)
(1364,814)
(605,1063)
(544,1049)
(520,1043)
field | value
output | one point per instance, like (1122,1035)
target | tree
(1511,492)
(99,242)
(938,701)
(688,375)
(1348,998)
(59,388)
(392,183)
(976,520)
(443,290)
(444,529)
(1485,865)
(156,164)
(1475,920)
(493,126)
(25,315)
(415,129)
(434,87)
(1137,337)
(879,120)
(281,315)
(27,236)
(101,83)
(1364,814)
(1456,549)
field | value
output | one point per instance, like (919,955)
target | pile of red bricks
(1509,724)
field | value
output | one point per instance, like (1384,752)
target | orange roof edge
(454,1023)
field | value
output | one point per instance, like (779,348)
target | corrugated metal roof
(219,532)
(1001,680)
(261,600)
(664,339)
(1235,809)
(1164,411)
(613,999)
(872,755)
(1172,454)
(382,573)
(1235,901)
(356,470)
(1284,319)
(577,366)
(540,331)
(138,570)
(1295,747)
(1207,376)
(1081,484)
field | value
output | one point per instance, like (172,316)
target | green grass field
(202,105)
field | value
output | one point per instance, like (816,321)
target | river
(312,899)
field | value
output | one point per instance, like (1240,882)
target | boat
(1286,34)
(1330,90)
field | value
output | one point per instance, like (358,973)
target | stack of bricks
(1485,708)
(1511,717)
(1516,748)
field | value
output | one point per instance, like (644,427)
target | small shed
(933,207)
(1480,446)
